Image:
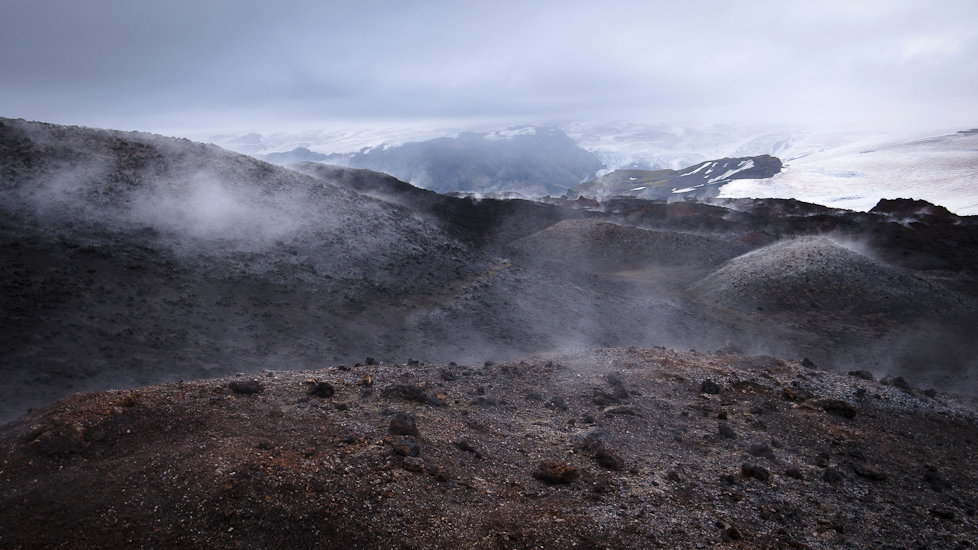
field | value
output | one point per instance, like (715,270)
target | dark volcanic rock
(555,472)
(725,430)
(832,475)
(412,393)
(403,424)
(246,387)
(837,407)
(405,446)
(322,389)
(609,460)
(710,387)
(754,471)
(869,472)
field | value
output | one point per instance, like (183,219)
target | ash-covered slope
(130,258)
(607,448)
(816,291)
(604,246)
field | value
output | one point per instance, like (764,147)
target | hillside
(131,259)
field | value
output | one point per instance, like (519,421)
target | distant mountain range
(529,160)
(841,169)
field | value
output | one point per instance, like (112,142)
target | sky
(190,67)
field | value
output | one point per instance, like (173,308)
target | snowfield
(941,169)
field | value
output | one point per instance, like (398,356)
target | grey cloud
(211,66)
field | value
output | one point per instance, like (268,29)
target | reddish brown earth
(606,448)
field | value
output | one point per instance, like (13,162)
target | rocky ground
(604,448)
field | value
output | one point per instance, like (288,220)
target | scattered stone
(761,450)
(863,374)
(808,363)
(413,363)
(483,401)
(794,472)
(448,375)
(710,387)
(837,407)
(366,380)
(621,410)
(726,431)
(412,393)
(759,473)
(405,446)
(370,361)
(674,476)
(534,396)
(832,475)
(439,473)
(322,389)
(609,460)
(554,472)
(246,387)
(403,424)
(732,534)
(413,464)
(556,404)
(464,445)
(868,472)
(934,478)
(722,415)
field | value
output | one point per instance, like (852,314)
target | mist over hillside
(131,258)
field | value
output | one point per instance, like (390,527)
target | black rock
(761,450)
(609,460)
(942,512)
(448,375)
(405,446)
(726,431)
(868,472)
(838,407)
(793,473)
(246,387)
(403,424)
(709,386)
(936,481)
(754,471)
(322,389)
(864,374)
(413,464)
(554,472)
(412,393)
(832,475)
(464,445)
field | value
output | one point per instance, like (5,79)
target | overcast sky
(183,67)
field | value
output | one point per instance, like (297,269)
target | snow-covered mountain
(855,175)
(700,181)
